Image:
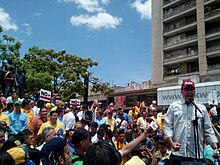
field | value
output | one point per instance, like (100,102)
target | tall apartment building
(185,41)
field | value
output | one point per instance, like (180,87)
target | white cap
(154,102)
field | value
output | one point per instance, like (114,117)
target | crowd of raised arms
(36,132)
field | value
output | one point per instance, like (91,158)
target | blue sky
(114,33)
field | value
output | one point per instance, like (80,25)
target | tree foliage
(9,48)
(60,72)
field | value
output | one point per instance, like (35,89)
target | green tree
(60,72)
(9,48)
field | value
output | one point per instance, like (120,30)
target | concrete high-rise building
(185,41)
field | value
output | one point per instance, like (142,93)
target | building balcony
(212,14)
(172,72)
(172,3)
(180,58)
(213,31)
(177,72)
(209,1)
(172,30)
(214,67)
(213,50)
(213,34)
(165,2)
(179,9)
(180,43)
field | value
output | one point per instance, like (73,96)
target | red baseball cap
(187,83)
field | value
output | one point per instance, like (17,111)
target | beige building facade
(185,41)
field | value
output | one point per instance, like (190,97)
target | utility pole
(86,90)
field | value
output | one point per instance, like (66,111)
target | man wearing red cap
(179,127)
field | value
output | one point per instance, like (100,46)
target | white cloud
(89,5)
(101,20)
(144,8)
(27,29)
(6,21)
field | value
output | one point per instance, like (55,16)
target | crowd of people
(56,134)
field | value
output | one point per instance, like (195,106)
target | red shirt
(9,83)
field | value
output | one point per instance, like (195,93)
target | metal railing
(179,9)
(214,30)
(179,56)
(212,13)
(165,2)
(211,49)
(170,28)
(213,67)
(206,0)
(181,40)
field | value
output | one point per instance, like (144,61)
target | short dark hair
(102,152)
(9,105)
(52,112)
(6,158)
(121,131)
(73,108)
(59,110)
(68,132)
(41,108)
(23,135)
(162,142)
(94,124)
(25,102)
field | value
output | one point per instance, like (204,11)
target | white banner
(45,95)
(205,93)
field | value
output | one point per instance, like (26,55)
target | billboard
(205,93)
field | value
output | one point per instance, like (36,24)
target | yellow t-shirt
(56,127)
(160,122)
(119,146)
(137,109)
(111,122)
(4,117)
(135,160)
(29,113)
(160,156)
(133,115)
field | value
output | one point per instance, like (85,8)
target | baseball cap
(52,150)
(18,154)
(154,102)
(149,119)
(18,102)
(48,105)
(187,83)
(80,135)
